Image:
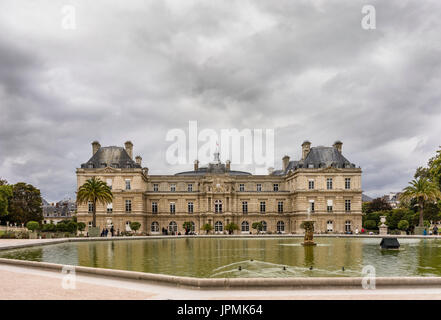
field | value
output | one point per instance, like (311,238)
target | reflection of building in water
(322,181)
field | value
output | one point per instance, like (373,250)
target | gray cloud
(305,68)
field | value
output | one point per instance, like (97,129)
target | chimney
(196,165)
(285,162)
(129,148)
(228,165)
(337,145)
(306,147)
(138,160)
(95,146)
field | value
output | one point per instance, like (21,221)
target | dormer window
(311,166)
(90,165)
(103,165)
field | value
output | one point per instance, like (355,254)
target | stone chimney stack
(95,146)
(285,162)
(306,147)
(138,160)
(129,148)
(338,145)
(196,165)
(228,165)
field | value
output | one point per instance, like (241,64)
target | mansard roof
(213,168)
(115,157)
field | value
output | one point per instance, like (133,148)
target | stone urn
(383,226)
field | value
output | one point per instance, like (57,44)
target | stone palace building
(322,183)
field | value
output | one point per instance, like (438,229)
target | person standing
(112,231)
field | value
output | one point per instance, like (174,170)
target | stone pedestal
(383,230)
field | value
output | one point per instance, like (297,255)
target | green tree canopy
(230,227)
(135,226)
(207,227)
(5,195)
(25,204)
(378,204)
(95,191)
(422,191)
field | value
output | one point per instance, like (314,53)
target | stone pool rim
(225,283)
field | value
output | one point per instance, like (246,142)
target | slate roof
(115,157)
(213,168)
(319,157)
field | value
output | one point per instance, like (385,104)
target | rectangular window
(190,207)
(172,187)
(189,187)
(172,207)
(109,183)
(218,206)
(262,206)
(90,203)
(311,184)
(329,183)
(155,187)
(347,183)
(128,184)
(109,207)
(329,205)
(244,207)
(154,207)
(259,187)
(276,187)
(280,207)
(312,205)
(241,187)
(128,205)
(347,205)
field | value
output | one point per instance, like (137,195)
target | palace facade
(322,184)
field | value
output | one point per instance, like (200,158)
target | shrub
(61,226)
(33,225)
(207,227)
(231,227)
(81,226)
(50,227)
(370,224)
(135,226)
(72,226)
(403,225)
(8,235)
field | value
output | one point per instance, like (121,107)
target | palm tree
(421,190)
(94,190)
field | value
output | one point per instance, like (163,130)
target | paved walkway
(32,283)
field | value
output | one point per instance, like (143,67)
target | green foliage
(230,227)
(378,204)
(95,191)
(49,227)
(257,226)
(81,226)
(5,195)
(25,204)
(370,224)
(135,226)
(33,225)
(423,191)
(426,223)
(187,226)
(403,225)
(207,227)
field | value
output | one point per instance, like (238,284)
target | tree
(403,225)
(81,226)
(25,204)
(135,226)
(370,224)
(33,225)
(257,226)
(187,227)
(231,227)
(5,195)
(94,190)
(207,227)
(378,204)
(423,191)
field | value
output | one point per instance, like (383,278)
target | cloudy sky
(133,70)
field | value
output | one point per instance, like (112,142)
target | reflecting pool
(245,257)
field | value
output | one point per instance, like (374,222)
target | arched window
(172,227)
(218,206)
(347,226)
(264,226)
(218,226)
(245,227)
(280,226)
(154,227)
(329,226)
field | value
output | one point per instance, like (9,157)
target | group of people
(106,231)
